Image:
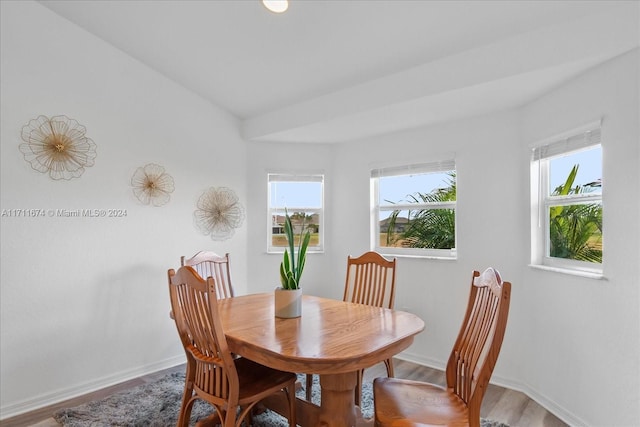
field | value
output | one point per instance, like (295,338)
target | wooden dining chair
(231,385)
(370,280)
(469,368)
(207,263)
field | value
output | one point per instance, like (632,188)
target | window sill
(434,257)
(282,252)
(587,274)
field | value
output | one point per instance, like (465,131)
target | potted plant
(288,297)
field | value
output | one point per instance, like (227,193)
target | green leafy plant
(292,266)
(428,228)
(575,231)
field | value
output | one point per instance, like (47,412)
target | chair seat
(406,403)
(255,379)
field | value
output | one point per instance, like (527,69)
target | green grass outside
(281,240)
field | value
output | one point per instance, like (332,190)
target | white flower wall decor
(57,146)
(218,213)
(152,185)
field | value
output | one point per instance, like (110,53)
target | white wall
(263,274)
(85,300)
(590,329)
(572,343)
(487,219)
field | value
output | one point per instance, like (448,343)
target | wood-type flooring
(500,404)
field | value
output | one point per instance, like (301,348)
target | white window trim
(585,137)
(293,177)
(447,164)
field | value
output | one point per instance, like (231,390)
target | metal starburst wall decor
(152,185)
(58,146)
(219,213)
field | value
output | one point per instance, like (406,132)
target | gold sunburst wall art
(219,213)
(57,146)
(152,185)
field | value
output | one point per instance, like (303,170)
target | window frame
(572,142)
(445,165)
(310,177)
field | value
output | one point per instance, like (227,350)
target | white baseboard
(547,403)
(63,394)
(421,360)
(567,416)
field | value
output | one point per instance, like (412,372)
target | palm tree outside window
(567,228)
(414,209)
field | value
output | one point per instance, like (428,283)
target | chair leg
(187,404)
(308,386)
(358,391)
(249,417)
(228,418)
(245,415)
(291,394)
(389,364)
(185,412)
(358,394)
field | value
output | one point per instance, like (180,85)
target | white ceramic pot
(288,303)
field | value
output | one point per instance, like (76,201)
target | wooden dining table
(332,338)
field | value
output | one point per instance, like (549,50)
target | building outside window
(414,209)
(302,197)
(566,199)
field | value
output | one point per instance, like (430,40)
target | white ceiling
(331,71)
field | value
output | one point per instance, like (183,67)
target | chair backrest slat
(194,304)
(209,264)
(370,280)
(478,344)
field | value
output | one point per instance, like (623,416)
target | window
(414,209)
(567,203)
(302,196)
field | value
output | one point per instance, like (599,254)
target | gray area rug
(157,404)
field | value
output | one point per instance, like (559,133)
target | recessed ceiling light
(276,6)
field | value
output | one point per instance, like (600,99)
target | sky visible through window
(590,169)
(395,189)
(296,194)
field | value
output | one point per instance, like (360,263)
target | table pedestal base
(337,400)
